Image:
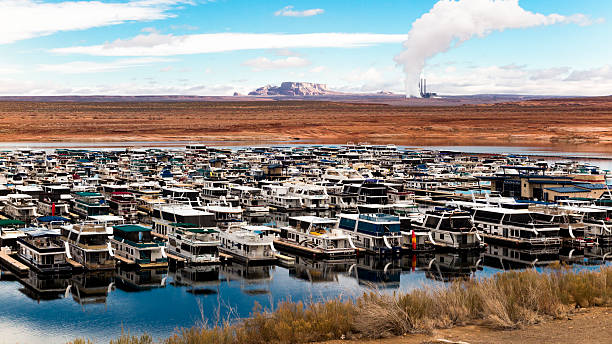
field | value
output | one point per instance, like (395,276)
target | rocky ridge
(294,89)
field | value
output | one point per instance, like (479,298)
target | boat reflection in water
(450,266)
(414,262)
(91,287)
(199,279)
(377,272)
(316,271)
(509,258)
(44,287)
(600,254)
(253,280)
(140,279)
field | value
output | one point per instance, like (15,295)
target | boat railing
(97,247)
(543,241)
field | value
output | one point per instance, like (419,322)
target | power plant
(423,89)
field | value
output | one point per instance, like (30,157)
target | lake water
(55,309)
(97,306)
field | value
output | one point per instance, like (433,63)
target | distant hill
(293,89)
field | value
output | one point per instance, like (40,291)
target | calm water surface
(98,306)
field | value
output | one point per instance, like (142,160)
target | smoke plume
(450,23)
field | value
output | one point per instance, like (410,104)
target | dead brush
(293,322)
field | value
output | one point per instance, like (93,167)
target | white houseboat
(88,244)
(195,244)
(248,246)
(316,236)
(251,200)
(43,251)
(450,229)
(515,226)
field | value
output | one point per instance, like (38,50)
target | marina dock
(15,265)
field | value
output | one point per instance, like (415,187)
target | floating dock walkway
(13,263)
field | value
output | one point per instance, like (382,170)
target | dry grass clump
(506,300)
(290,322)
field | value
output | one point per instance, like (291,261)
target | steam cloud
(450,23)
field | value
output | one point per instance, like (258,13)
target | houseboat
(10,231)
(43,251)
(317,237)
(312,197)
(248,246)
(572,229)
(597,222)
(20,207)
(195,244)
(225,214)
(251,200)
(134,244)
(515,227)
(124,204)
(278,196)
(89,203)
(165,215)
(376,233)
(88,244)
(450,229)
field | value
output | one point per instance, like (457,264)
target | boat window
(432,222)
(488,216)
(347,223)
(518,219)
(545,218)
(461,222)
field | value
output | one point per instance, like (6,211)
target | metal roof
(567,189)
(131,228)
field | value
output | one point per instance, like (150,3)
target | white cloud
(23,19)
(450,23)
(317,69)
(81,67)
(264,63)
(7,69)
(166,45)
(285,52)
(11,87)
(592,74)
(513,79)
(549,73)
(149,30)
(288,11)
(371,80)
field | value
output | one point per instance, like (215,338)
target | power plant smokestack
(423,89)
(450,23)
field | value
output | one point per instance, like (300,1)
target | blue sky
(217,47)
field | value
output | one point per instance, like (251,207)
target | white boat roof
(314,219)
(106,218)
(259,228)
(244,188)
(505,210)
(183,210)
(25,188)
(224,209)
(19,196)
(583,209)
